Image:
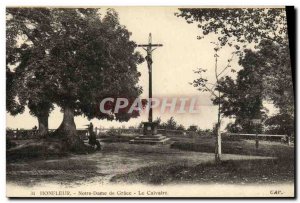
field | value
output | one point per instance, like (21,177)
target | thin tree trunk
(218,133)
(218,149)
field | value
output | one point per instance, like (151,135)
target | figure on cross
(149,48)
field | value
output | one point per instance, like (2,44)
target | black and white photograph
(150,101)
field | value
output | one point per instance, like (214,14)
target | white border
(5,3)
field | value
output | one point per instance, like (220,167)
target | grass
(244,147)
(228,172)
(156,164)
(118,138)
(35,149)
(65,170)
(256,171)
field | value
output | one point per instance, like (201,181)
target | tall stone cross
(149,48)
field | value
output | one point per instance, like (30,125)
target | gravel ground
(116,161)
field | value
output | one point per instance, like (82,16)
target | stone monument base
(150,135)
(146,139)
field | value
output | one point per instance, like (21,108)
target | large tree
(27,30)
(278,86)
(277,76)
(94,59)
(265,75)
(83,58)
(86,59)
(33,88)
(243,98)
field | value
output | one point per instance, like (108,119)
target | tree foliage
(266,75)
(80,57)
(193,128)
(236,26)
(242,98)
(96,59)
(277,75)
(27,30)
(281,123)
(266,72)
(73,58)
(12,104)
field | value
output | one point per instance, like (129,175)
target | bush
(113,132)
(10,144)
(193,147)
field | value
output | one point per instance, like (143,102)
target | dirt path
(100,167)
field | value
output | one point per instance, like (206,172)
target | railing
(83,134)
(103,132)
(258,137)
(120,130)
(140,130)
(22,134)
(33,134)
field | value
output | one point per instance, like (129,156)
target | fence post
(288,139)
(256,141)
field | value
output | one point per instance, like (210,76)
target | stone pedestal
(150,135)
(150,128)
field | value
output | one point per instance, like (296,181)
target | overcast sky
(173,66)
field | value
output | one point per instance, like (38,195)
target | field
(186,160)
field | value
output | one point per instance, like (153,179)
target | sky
(173,66)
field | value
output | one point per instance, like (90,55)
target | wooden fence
(140,131)
(101,132)
(33,134)
(83,132)
(257,137)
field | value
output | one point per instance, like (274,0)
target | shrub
(113,132)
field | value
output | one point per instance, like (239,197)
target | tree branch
(228,65)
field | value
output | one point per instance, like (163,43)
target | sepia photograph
(150,101)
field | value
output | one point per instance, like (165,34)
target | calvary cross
(149,48)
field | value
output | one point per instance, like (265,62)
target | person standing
(92,137)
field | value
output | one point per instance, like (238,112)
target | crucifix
(149,48)
(150,135)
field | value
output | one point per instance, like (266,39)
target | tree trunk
(218,149)
(68,125)
(218,133)
(43,125)
(67,131)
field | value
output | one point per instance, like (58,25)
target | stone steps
(156,139)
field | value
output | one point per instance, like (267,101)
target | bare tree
(203,85)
